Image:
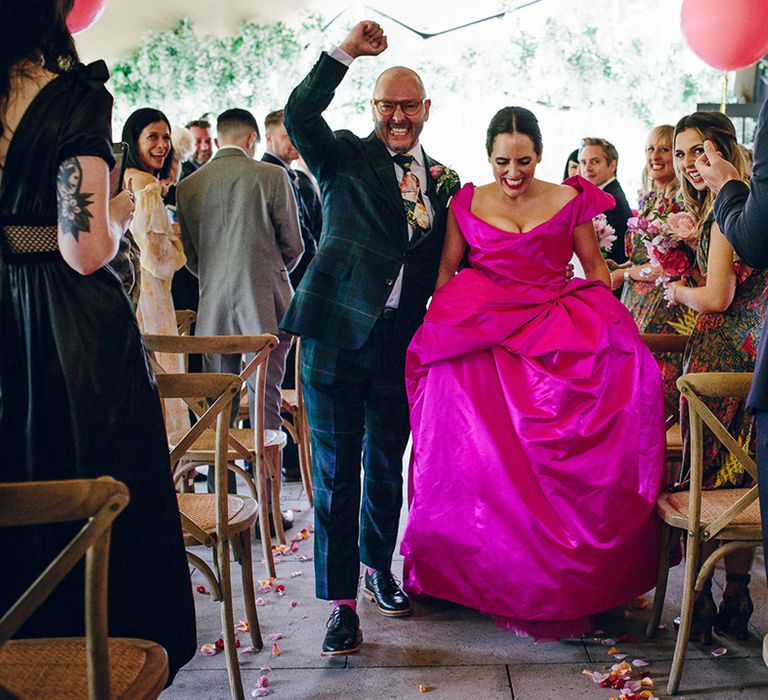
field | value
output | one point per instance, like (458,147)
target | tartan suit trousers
(357,409)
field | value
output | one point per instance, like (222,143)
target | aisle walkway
(453,652)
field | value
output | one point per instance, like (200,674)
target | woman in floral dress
(640,292)
(730,297)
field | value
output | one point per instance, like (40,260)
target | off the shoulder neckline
(565,206)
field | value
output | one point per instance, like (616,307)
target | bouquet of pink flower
(669,234)
(606,234)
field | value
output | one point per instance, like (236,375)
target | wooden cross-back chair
(730,516)
(218,519)
(297,425)
(96,666)
(257,445)
(675,344)
(185,319)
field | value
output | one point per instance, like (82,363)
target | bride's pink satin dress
(538,433)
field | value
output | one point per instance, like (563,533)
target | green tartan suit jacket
(365,236)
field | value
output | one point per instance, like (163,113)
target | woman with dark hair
(571,165)
(730,298)
(536,409)
(149,158)
(77,396)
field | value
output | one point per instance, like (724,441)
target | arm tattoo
(73,204)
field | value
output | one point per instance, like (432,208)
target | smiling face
(513,160)
(153,146)
(689,145)
(203,144)
(399,131)
(658,155)
(595,166)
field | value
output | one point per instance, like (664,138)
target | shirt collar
(231,145)
(278,158)
(606,183)
(416,153)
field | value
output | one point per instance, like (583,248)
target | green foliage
(186,75)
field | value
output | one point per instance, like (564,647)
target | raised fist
(366,39)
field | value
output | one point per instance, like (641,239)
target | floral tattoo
(74,217)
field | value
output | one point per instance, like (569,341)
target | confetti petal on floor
(720,651)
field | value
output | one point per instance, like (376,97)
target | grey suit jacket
(241,236)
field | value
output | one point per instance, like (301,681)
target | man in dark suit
(356,309)
(598,160)
(741,213)
(280,151)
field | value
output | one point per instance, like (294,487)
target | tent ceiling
(126,22)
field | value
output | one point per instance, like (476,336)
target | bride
(536,409)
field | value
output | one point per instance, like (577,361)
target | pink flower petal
(260,601)
(639,663)
(249,650)
(275,637)
(260,693)
(263,682)
(608,642)
(209,650)
(720,651)
(294,603)
(294,574)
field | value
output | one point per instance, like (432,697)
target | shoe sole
(345,652)
(368,593)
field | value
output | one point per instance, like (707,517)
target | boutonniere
(445,178)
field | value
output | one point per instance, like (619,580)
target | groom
(356,309)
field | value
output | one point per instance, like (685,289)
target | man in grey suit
(241,236)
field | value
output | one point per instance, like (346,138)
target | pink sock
(352,603)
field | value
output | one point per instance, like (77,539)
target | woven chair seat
(55,669)
(200,508)
(205,445)
(673,509)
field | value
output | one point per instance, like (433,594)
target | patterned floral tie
(410,191)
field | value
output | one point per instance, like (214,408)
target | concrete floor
(454,652)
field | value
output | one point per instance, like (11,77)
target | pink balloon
(727,35)
(84,13)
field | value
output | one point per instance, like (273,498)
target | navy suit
(617,217)
(742,214)
(353,352)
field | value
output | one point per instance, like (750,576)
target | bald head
(398,73)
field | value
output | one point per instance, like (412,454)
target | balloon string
(724,98)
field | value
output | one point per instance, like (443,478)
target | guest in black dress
(77,396)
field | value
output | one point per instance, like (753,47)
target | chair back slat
(99,501)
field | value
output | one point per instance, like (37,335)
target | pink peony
(683,227)
(435,171)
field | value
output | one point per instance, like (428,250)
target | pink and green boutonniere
(445,178)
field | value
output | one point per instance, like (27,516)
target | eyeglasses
(410,108)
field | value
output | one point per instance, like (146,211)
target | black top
(28,189)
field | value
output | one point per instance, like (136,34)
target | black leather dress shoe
(343,635)
(384,589)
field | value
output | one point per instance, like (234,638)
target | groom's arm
(308,131)
(303,118)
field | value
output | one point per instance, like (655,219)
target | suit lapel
(382,164)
